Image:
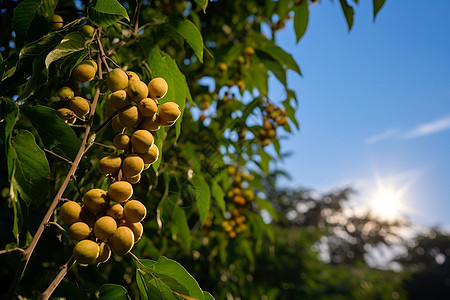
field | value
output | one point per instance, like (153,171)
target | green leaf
(348,13)
(37,80)
(54,132)
(301,19)
(113,292)
(190,33)
(208,296)
(31,169)
(202,195)
(71,43)
(106,12)
(218,195)
(182,228)
(8,117)
(377,5)
(264,163)
(202,3)
(41,46)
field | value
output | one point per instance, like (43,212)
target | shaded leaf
(190,33)
(8,116)
(71,43)
(348,13)
(202,3)
(37,80)
(301,18)
(218,195)
(180,222)
(202,195)
(377,5)
(113,292)
(106,12)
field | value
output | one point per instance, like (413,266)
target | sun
(386,204)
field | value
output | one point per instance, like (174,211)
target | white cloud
(382,136)
(429,128)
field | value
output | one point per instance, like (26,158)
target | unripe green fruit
(104,253)
(134,211)
(137,90)
(142,140)
(115,211)
(65,93)
(169,112)
(134,179)
(78,231)
(85,71)
(121,141)
(132,165)
(130,116)
(231,170)
(116,80)
(70,212)
(157,88)
(122,240)
(105,227)
(151,155)
(110,164)
(271,133)
(95,200)
(132,76)
(56,22)
(86,251)
(109,107)
(65,114)
(79,106)
(87,31)
(116,125)
(151,124)
(137,229)
(119,99)
(147,107)
(120,191)
(249,195)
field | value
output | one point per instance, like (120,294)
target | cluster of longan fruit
(234,225)
(105,221)
(135,104)
(272,118)
(237,194)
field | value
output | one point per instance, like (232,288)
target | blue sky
(374,103)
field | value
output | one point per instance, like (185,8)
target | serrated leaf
(348,13)
(113,292)
(218,195)
(190,33)
(106,12)
(202,195)
(301,18)
(377,5)
(54,132)
(31,169)
(71,43)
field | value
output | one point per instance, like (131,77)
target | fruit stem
(62,273)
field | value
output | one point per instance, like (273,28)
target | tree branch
(64,269)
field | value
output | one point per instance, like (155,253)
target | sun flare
(386,204)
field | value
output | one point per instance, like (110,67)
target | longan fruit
(134,211)
(151,124)
(132,76)
(79,106)
(231,170)
(110,164)
(121,141)
(137,229)
(169,112)
(104,253)
(238,199)
(282,120)
(95,200)
(151,155)
(132,165)
(85,71)
(148,107)
(119,99)
(86,251)
(78,231)
(116,80)
(137,90)
(134,179)
(66,93)
(271,133)
(87,31)
(70,212)
(109,108)
(65,114)
(249,51)
(232,234)
(120,191)
(266,142)
(157,88)
(222,67)
(105,227)
(56,22)
(122,240)
(130,116)
(116,125)
(142,140)
(249,195)
(115,211)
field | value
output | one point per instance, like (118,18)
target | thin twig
(117,65)
(51,288)
(105,146)
(58,156)
(11,250)
(101,126)
(57,225)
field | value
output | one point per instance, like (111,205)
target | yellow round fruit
(148,107)
(134,211)
(86,252)
(151,155)
(151,124)
(169,112)
(95,200)
(85,71)
(249,51)
(110,164)
(238,199)
(105,227)
(78,231)
(157,88)
(130,116)
(231,170)
(266,142)
(116,80)
(115,211)
(120,191)
(116,125)
(249,195)
(79,106)
(65,93)
(104,253)
(222,67)
(65,114)
(142,140)
(56,22)
(132,165)
(134,179)
(137,229)
(121,141)
(132,76)
(119,99)
(109,108)
(137,90)
(87,31)
(122,240)
(70,212)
